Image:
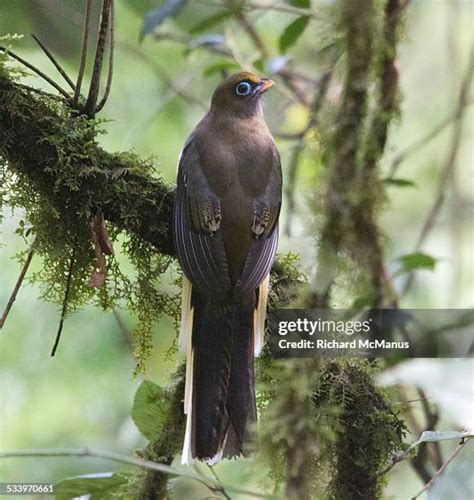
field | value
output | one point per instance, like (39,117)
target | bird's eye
(243,88)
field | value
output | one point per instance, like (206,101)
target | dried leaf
(99,229)
(102,247)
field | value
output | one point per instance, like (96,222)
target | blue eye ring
(243,88)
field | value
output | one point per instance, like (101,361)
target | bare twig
(111,58)
(442,468)
(288,77)
(19,281)
(118,457)
(320,93)
(424,140)
(399,458)
(82,64)
(257,40)
(65,303)
(446,174)
(37,71)
(291,183)
(192,44)
(216,477)
(42,92)
(91,103)
(55,62)
(432,418)
(297,11)
(178,90)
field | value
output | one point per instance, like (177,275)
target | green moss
(54,172)
(369,433)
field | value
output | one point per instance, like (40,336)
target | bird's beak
(264,85)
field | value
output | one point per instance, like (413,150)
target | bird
(225,229)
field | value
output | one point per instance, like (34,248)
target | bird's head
(240,94)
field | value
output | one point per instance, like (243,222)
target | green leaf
(363,302)
(103,485)
(292,32)
(220,66)
(150,407)
(210,22)
(303,4)
(399,182)
(417,260)
(154,17)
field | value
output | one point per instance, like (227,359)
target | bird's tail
(219,401)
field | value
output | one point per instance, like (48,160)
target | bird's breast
(242,163)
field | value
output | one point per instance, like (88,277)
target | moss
(369,431)
(53,169)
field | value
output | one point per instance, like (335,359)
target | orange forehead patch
(244,75)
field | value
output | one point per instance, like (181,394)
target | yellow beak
(264,85)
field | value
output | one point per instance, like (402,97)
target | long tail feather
(219,396)
(259,316)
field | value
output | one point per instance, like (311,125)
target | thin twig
(82,64)
(191,44)
(424,140)
(178,90)
(216,477)
(118,457)
(291,183)
(55,62)
(297,11)
(108,85)
(399,458)
(287,76)
(37,71)
(91,103)
(449,167)
(432,418)
(42,92)
(65,303)
(19,281)
(442,468)
(318,100)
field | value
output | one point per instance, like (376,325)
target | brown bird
(226,213)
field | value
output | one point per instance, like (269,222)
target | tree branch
(108,84)
(55,62)
(91,103)
(125,459)
(449,166)
(442,468)
(117,183)
(18,283)
(82,64)
(64,305)
(30,66)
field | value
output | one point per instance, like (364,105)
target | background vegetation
(421,199)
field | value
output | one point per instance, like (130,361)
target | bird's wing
(262,251)
(197,218)
(267,206)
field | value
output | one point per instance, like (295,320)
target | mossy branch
(358,23)
(58,155)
